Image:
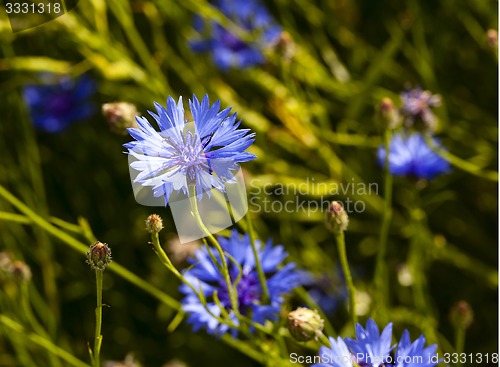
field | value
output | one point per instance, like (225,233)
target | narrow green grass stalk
(460,163)
(380,273)
(41,341)
(225,270)
(32,320)
(258,265)
(98,320)
(82,249)
(117,269)
(348,277)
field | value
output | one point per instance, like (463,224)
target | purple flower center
(60,104)
(190,155)
(248,290)
(232,42)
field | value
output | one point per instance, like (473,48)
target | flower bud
(21,272)
(389,114)
(99,256)
(461,315)
(120,116)
(285,46)
(337,219)
(305,324)
(154,223)
(492,37)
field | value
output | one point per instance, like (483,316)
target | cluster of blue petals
(374,349)
(204,153)
(205,277)
(409,155)
(56,105)
(227,49)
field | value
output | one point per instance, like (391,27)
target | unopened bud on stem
(99,256)
(305,324)
(154,223)
(461,315)
(120,116)
(337,219)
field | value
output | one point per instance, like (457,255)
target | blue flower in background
(205,276)
(409,155)
(327,290)
(414,354)
(372,349)
(227,49)
(417,105)
(56,106)
(204,153)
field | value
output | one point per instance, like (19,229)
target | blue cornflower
(204,153)
(226,48)
(54,107)
(414,354)
(205,277)
(409,155)
(371,346)
(338,355)
(417,105)
(372,349)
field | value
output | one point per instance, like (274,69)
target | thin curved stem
(225,270)
(461,163)
(380,273)
(258,265)
(348,277)
(98,320)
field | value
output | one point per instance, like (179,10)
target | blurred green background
(314,116)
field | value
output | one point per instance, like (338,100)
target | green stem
(380,267)
(165,260)
(460,341)
(347,274)
(32,320)
(117,269)
(98,321)
(42,342)
(258,265)
(82,249)
(225,270)
(460,163)
(323,339)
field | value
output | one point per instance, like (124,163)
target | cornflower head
(417,104)
(372,349)
(227,49)
(57,105)
(203,154)
(205,277)
(409,155)
(370,346)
